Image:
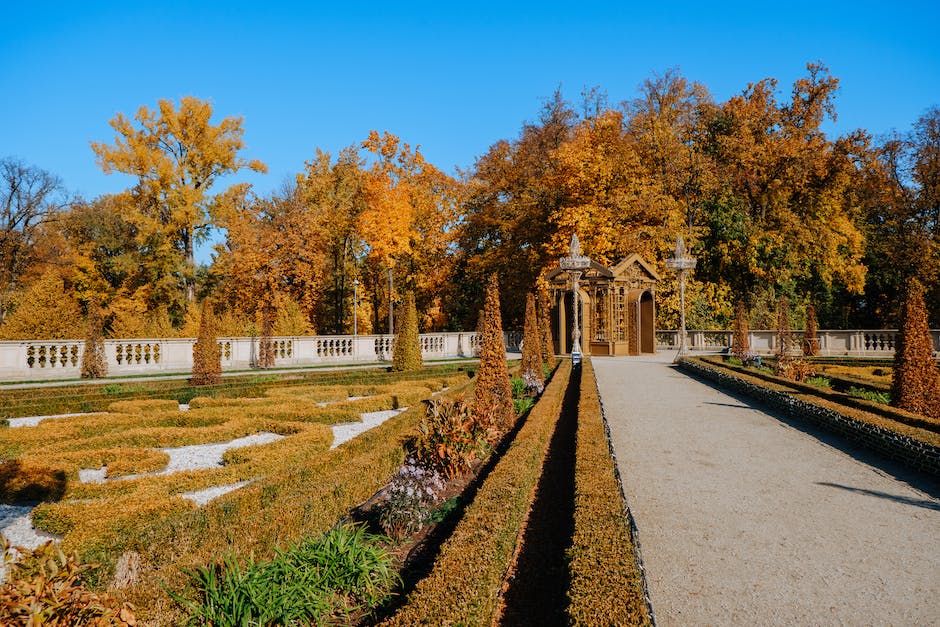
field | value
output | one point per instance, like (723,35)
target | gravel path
(744,518)
(346,431)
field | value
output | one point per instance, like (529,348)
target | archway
(647,330)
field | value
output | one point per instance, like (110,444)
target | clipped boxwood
(606,580)
(464,584)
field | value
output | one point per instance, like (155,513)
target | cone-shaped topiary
(207,354)
(741,341)
(265,344)
(811,335)
(916,382)
(94,364)
(407,352)
(545,322)
(784,338)
(532,349)
(492,397)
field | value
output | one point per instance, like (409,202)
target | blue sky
(452,77)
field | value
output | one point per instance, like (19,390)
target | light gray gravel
(746,520)
(346,431)
(32,421)
(201,497)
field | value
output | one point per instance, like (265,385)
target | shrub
(916,381)
(94,365)
(810,336)
(784,338)
(313,581)
(532,349)
(207,354)
(30,481)
(46,587)
(870,395)
(819,382)
(407,352)
(741,341)
(265,345)
(449,437)
(545,323)
(143,406)
(492,398)
(409,499)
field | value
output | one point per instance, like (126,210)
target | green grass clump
(883,398)
(316,580)
(819,382)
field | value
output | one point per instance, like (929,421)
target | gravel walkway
(744,518)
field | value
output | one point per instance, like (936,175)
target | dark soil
(536,591)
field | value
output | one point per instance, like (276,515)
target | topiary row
(606,581)
(465,581)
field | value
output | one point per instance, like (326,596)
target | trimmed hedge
(914,447)
(464,585)
(606,580)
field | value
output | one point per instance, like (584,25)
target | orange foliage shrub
(916,382)
(492,396)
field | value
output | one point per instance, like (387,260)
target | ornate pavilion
(617,308)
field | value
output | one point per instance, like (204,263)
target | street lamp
(355,307)
(682,262)
(575,263)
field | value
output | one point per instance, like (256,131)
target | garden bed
(911,439)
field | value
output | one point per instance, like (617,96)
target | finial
(680,248)
(575,248)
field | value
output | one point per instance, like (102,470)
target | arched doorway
(647,330)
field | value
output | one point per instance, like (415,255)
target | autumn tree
(29,196)
(915,382)
(176,155)
(492,396)
(47,309)
(532,349)
(407,352)
(94,362)
(207,354)
(543,306)
(740,341)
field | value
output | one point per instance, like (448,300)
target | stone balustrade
(61,359)
(851,343)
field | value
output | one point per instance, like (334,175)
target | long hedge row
(606,581)
(464,584)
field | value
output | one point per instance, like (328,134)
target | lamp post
(682,262)
(355,307)
(575,263)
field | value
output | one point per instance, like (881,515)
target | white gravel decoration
(201,497)
(32,421)
(346,431)
(184,406)
(193,457)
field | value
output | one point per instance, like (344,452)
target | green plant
(317,579)
(444,510)
(522,405)
(734,361)
(449,437)
(517,385)
(870,395)
(819,382)
(47,587)
(409,499)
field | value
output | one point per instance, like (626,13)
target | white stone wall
(851,343)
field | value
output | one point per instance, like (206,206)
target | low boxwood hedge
(606,579)
(464,584)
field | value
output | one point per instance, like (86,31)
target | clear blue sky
(452,77)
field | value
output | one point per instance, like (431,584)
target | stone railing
(852,343)
(61,359)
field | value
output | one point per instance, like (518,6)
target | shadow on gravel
(906,500)
(917,480)
(537,590)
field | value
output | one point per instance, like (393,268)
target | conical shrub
(544,306)
(811,334)
(492,396)
(532,349)
(407,352)
(916,382)
(94,364)
(207,354)
(741,341)
(265,343)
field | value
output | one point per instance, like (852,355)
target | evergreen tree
(492,396)
(741,341)
(207,354)
(545,323)
(810,337)
(916,382)
(532,349)
(265,345)
(407,352)
(94,363)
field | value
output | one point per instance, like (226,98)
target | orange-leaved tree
(916,382)
(492,396)
(532,349)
